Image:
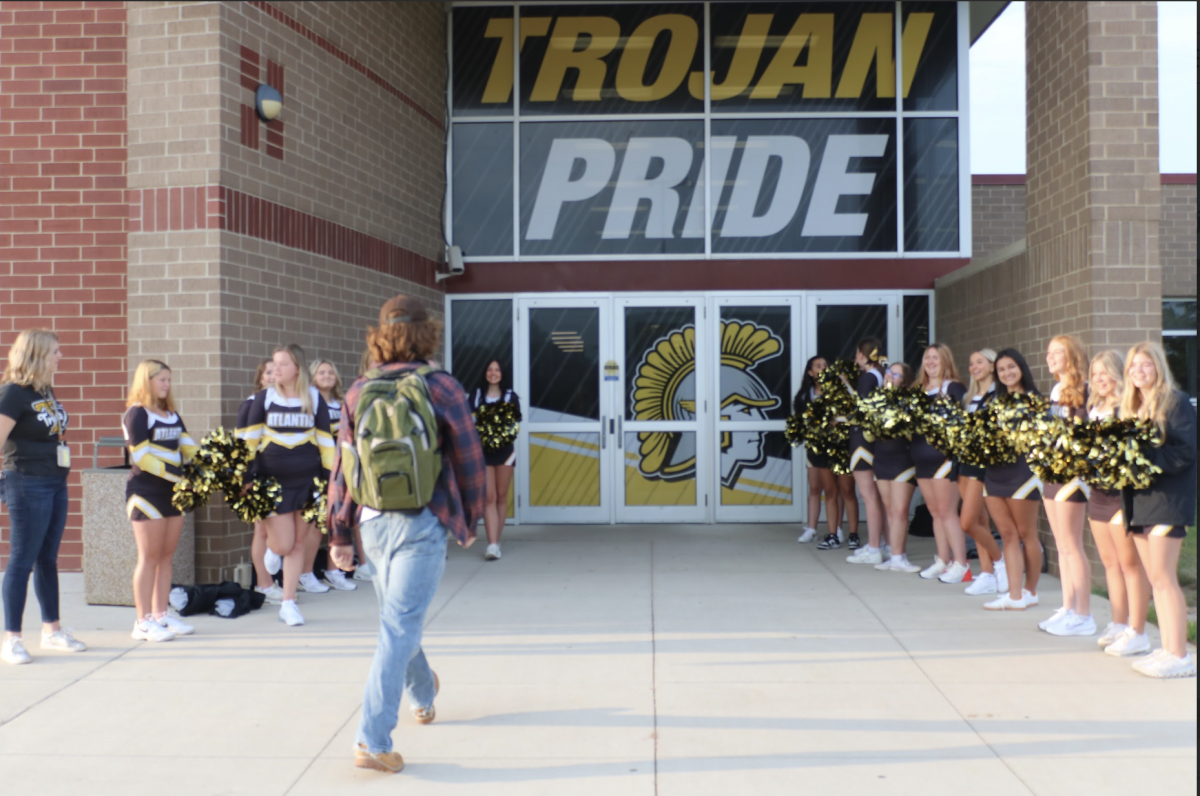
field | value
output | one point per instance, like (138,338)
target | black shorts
(1105,506)
(893,462)
(501,457)
(149,505)
(862,453)
(817,461)
(1073,492)
(1169,531)
(1012,481)
(930,461)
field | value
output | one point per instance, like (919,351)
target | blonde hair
(947,371)
(303,382)
(140,393)
(336,392)
(1162,392)
(1072,378)
(974,388)
(1114,366)
(29,359)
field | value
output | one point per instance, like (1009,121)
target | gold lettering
(873,41)
(500,80)
(561,55)
(746,55)
(814,31)
(631,73)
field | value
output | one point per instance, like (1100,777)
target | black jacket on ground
(1171,500)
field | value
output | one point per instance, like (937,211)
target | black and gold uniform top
(288,443)
(335,417)
(157,447)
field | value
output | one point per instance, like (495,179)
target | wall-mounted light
(267,102)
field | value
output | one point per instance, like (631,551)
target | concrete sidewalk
(596,660)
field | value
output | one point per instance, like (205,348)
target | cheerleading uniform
(893,461)
(1076,491)
(977,403)
(158,446)
(931,462)
(1104,505)
(815,460)
(505,456)
(289,444)
(1012,481)
(335,416)
(862,453)
(1169,505)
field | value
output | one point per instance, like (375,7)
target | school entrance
(664,407)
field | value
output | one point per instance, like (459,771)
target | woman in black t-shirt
(33,428)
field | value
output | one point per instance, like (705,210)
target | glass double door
(657,409)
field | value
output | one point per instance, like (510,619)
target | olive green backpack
(394,460)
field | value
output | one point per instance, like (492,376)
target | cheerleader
(1066,504)
(870,360)
(821,479)
(329,383)
(1157,517)
(158,444)
(288,431)
(264,583)
(973,519)
(895,477)
(500,462)
(1013,494)
(1128,587)
(935,474)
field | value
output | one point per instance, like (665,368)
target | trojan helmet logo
(665,389)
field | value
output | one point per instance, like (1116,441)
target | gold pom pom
(316,508)
(498,424)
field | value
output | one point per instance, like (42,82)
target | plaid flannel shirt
(459,494)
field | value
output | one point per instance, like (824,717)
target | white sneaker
(1112,632)
(1005,603)
(310,584)
(337,579)
(984,583)
(176,625)
(290,614)
(365,571)
(493,553)
(273,595)
(1001,576)
(1128,644)
(954,573)
(886,564)
(1030,599)
(901,563)
(866,555)
(808,535)
(273,561)
(149,630)
(14,651)
(1073,625)
(1167,666)
(934,570)
(62,639)
(1054,618)
(1141,664)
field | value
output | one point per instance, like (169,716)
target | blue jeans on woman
(37,511)
(409,555)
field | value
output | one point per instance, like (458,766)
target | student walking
(403,533)
(159,444)
(33,437)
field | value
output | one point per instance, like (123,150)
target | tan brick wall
(997,217)
(1177,240)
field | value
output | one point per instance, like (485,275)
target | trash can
(109,550)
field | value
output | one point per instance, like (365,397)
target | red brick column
(63,211)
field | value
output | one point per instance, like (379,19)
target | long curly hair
(1073,378)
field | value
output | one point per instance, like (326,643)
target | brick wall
(997,212)
(1177,237)
(63,212)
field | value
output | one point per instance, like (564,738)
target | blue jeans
(37,510)
(409,555)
